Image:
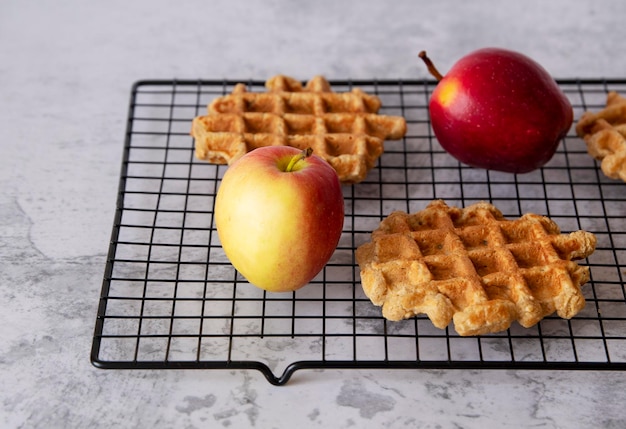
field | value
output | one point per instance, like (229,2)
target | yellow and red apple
(499,110)
(279,214)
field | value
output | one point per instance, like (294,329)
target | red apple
(279,214)
(500,110)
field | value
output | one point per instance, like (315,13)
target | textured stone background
(66,69)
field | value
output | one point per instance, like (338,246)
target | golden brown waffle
(342,128)
(605,135)
(474,267)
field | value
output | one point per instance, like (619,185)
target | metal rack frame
(171,300)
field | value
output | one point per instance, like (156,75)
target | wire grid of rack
(171,300)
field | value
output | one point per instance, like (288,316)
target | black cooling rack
(171,300)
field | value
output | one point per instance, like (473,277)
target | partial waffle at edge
(604,133)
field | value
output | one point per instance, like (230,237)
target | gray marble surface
(65,73)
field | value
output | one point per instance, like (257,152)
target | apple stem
(431,67)
(297,158)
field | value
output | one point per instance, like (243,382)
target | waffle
(342,128)
(605,135)
(474,267)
